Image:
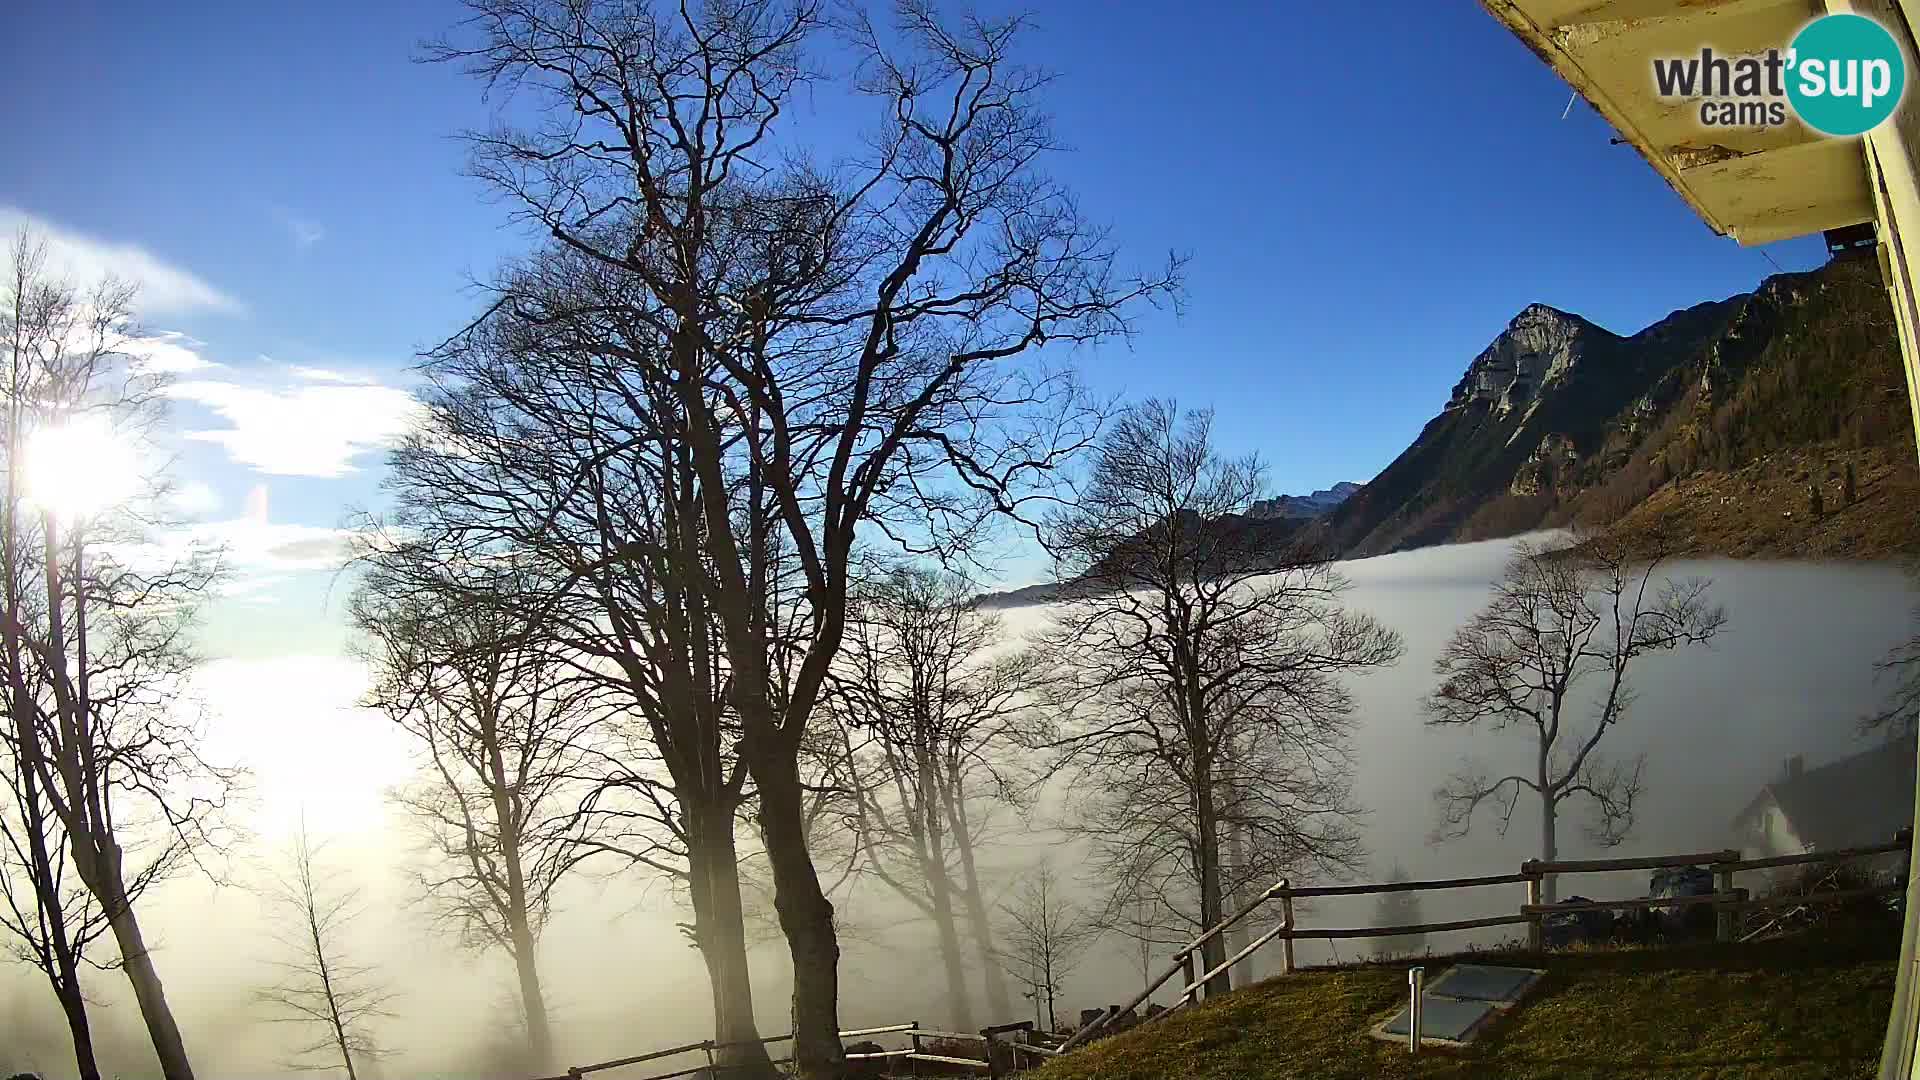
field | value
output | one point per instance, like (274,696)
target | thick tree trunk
(1548,829)
(1237,938)
(999,1004)
(721,933)
(1549,847)
(1212,902)
(940,894)
(520,936)
(806,916)
(533,1001)
(75,1008)
(958,1007)
(137,962)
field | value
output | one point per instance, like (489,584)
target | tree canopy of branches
(836,339)
(938,710)
(102,738)
(501,727)
(1549,655)
(1199,675)
(320,986)
(537,452)
(1045,935)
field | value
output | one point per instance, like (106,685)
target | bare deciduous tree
(320,986)
(1199,676)
(501,726)
(1044,936)
(535,450)
(49,919)
(1549,655)
(838,342)
(936,706)
(93,637)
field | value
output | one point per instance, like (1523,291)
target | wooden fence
(1023,1050)
(1016,1039)
(1727,900)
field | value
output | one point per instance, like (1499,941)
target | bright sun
(79,468)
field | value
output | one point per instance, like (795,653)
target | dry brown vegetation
(1762,510)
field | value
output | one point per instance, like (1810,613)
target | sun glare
(79,468)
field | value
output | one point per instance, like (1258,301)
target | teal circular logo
(1845,74)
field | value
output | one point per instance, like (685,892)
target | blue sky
(1366,202)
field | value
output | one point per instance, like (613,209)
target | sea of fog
(1791,675)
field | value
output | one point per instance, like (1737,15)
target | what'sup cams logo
(1842,75)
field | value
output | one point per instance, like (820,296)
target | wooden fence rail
(1411,886)
(1726,900)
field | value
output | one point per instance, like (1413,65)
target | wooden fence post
(1286,943)
(993,1058)
(913,1063)
(1723,915)
(1188,991)
(1536,934)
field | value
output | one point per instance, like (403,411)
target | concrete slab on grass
(1464,1001)
(1441,1018)
(1481,982)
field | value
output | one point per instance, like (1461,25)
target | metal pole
(1416,982)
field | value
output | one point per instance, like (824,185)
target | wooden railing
(1726,899)
(1020,1046)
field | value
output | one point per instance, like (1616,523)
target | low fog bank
(1792,675)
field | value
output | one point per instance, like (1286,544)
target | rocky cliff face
(1526,411)
(1559,419)
(1540,348)
(1552,463)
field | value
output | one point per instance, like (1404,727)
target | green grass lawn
(1792,1008)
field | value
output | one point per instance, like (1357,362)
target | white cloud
(194,498)
(168,352)
(164,287)
(257,555)
(328,375)
(305,430)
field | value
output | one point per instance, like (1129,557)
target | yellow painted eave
(1756,185)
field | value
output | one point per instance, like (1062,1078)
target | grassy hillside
(1785,1009)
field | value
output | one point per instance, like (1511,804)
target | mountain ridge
(1560,421)
(1715,426)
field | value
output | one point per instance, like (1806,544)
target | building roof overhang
(1756,184)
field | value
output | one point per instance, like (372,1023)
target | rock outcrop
(1559,419)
